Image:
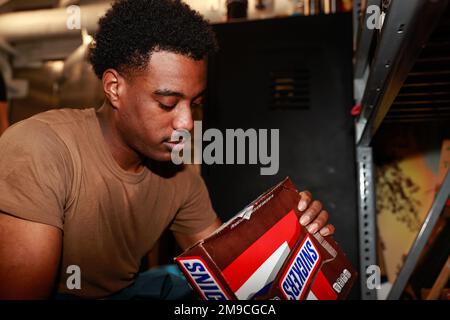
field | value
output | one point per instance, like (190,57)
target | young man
(93,191)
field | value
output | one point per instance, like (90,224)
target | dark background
(312,113)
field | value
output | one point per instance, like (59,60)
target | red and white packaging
(264,253)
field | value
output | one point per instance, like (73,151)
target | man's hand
(314,217)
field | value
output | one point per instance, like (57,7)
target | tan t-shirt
(56,169)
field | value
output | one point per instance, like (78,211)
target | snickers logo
(203,278)
(300,270)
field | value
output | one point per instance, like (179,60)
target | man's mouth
(172,144)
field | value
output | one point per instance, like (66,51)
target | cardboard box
(264,253)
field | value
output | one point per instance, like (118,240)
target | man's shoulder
(41,131)
(48,127)
(53,118)
(28,131)
(63,116)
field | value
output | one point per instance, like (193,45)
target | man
(3,106)
(93,191)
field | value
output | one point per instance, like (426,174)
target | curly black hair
(132,29)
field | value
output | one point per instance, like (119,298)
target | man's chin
(163,153)
(160,156)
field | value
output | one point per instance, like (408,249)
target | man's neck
(126,158)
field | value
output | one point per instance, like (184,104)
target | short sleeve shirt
(56,169)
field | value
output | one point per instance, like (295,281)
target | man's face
(158,101)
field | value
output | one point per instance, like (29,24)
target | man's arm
(187,240)
(30,254)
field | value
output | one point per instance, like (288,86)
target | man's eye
(166,107)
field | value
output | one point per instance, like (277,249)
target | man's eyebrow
(168,93)
(171,93)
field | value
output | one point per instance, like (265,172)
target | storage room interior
(358,89)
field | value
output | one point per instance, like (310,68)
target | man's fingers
(319,222)
(327,230)
(305,200)
(312,212)
(314,217)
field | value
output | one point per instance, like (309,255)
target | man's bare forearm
(29,258)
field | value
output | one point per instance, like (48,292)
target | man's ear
(112,86)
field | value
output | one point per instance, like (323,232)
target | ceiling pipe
(51,23)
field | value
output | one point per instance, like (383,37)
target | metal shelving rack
(383,63)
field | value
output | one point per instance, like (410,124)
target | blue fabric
(160,283)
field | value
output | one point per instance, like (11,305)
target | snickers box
(264,253)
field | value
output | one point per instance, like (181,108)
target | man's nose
(183,118)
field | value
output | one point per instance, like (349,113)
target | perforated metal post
(367,222)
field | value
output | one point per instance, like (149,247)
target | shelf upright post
(367,222)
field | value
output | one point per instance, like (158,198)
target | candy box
(264,253)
